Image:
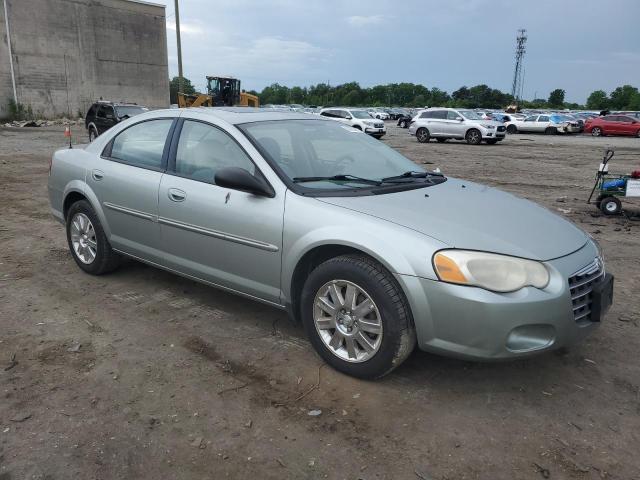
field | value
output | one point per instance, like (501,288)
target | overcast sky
(577,45)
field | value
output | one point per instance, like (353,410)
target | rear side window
(426,115)
(544,118)
(142,144)
(204,149)
(330,113)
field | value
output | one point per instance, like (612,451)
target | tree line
(405,94)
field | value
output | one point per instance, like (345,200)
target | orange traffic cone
(67,133)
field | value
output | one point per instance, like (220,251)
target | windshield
(359,114)
(470,115)
(317,148)
(130,111)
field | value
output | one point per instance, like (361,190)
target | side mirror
(240,179)
(460,119)
(348,117)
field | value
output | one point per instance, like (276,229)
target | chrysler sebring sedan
(373,254)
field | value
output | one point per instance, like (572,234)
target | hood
(471,216)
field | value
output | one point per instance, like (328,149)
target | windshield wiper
(344,178)
(412,174)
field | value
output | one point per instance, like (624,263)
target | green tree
(556,98)
(174,83)
(598,100)
(634,103)
(621,97)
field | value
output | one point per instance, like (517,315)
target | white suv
(356,118)
(445,123)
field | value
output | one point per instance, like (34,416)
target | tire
(610,206)
(92,134)
(473,136)
(492,142)
(596,132)
(512,129)
(390,334)
(423,135)
(551,131)
(89,239)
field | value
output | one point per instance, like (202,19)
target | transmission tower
(518,74)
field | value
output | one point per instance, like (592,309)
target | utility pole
(180,78)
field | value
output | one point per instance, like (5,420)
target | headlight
(499,273)
(490,127)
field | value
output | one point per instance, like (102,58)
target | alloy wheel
(348,321)
(83,238)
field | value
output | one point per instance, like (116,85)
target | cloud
(186,28)
(364,21)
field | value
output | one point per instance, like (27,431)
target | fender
(97,207)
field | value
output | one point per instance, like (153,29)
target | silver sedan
(369,251)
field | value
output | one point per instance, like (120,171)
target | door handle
(176,195)
(97,175)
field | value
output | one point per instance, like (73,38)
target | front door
(227,237)
(126,179)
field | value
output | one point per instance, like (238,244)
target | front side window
(470,115)
(142,144)
(451,115)
(204,149)
(532,118)
(439,114)
(360,114)
(316,148)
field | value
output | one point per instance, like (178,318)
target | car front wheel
(87,241)
(473,137)
(512,129)
(596,131)
(423,135)
(357,317)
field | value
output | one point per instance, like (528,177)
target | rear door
(226,237)
(628,125)
(125,179)
(529,124)
(438,123)
(105,118)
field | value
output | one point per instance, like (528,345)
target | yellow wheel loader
(221,92)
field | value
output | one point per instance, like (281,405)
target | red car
(613,125)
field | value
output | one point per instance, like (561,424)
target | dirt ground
(143,374)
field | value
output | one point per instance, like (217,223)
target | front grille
(502,128)
(581,285)
(379,125)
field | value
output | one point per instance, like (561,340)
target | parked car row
(356,118)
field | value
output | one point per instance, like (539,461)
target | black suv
(103,115)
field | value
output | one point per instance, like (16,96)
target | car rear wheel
(423,135)
(550,131)
(596,131)
(473,137)
(87,241)
(610,206)
(92,134)
(356,316)
(512,129)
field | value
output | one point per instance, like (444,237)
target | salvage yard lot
(145,374)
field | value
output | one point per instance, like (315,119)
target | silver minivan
(372,253)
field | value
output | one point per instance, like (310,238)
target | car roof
(237,115)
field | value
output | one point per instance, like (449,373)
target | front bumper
(488,134)
(376,132)
(473,323)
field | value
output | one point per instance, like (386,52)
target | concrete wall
(69,53)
